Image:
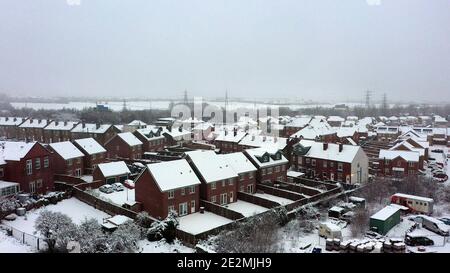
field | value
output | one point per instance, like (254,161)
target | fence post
(38,244)
(23,237)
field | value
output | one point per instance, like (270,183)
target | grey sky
(316,49)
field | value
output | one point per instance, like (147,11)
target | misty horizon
(289,50)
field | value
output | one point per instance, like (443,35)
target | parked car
(129,184)
(445,220)
(373,235)
(106,189)
(435,225)
(118,187)
(418,241)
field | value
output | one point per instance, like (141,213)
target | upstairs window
(46,162)
(29,167)
(37,163)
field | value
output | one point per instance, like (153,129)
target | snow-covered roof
(418,198)
(387,130)
(239,162)
(263,157)
(230,136)
(91,128)
(295,174)
(406,155)
(316,150)
(34,123)
(336,118)
(61,125)
(408,146)
(299,122)
(130,139)
(137,123)
(151,132)
(14,151)
(172,175)
(331,226)
(66,150)
(314,130)
(119,219)
(210,166)
(11,121)
(6,184)
(269,142)
(113,168)
(90,146)
(176,134)
(385,213)
(346,131)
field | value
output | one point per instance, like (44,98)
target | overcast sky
(316,49)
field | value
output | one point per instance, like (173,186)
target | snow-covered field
(10,245)
(117,197)
(197,222)
(146,246)
(279,200)
(245,208)
(74,208)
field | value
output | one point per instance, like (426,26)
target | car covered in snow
(106,189)
(129,184)
(118,187)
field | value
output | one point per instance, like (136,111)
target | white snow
(130,139)
(66,150)
(316,150)
(74,208)
(385,213)
(9,244)
(91,128)
(14,151)
(245,208)
(118,197)
(162,246)
(61,125)
(90,146)
(196,223)
(172,175)
(260,152)
(279,200)
(406,155)
(113,168)
(211,167)
(239,162)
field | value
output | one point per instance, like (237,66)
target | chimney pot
(341,147)
(325,146)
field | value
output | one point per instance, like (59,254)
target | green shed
(385,219)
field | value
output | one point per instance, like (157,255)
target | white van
(330,231)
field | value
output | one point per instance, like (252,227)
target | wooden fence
(221,210)
(257,200)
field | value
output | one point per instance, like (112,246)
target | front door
(332,176)
(193,206)
(223,199)
(231,197)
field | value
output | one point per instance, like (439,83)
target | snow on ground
(197,222)
(87,178)
(146,246)
(74,208)
(117,197)
(9,244)
(279,200)
(245,208)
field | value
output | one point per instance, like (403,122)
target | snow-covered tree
(125,238)
(57,228)
(164,229)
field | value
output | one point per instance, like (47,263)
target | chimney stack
(180,129)
(83,125)
(264,138)
(325,146)
(275,139)
(97,126)
(341,147)
(226,132)
(6,119)
(65,123)
(253,137)
(235,133)
(56,123)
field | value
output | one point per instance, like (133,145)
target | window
(39,183)
(29,167)
(283,168)
(241,177)
(32,187)
(171,194)
(213,185)
(183,191)
(46,162)
(37,163)
(250,188)
(69,162)
(300,160)
(332,164)
(93,157)
(340,166)
(192,189)
(277,169)
(241,188)
(324,163)
(223,199)
(411,164)
(307,160)
(2,172)
(171,208)
(223,183)
(230,181)
(213,199)
(183,209)
(269,170)
(192,206)
(250,175)
(263,171)
(78,172)
(313,162)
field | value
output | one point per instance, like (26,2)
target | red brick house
(124,145)
(217,177)
(399,163)
(58,131)
(28,164)
(152,138)
(319,130)
(9,127)
(295,125)
(100,132)
(166,186)
(94,153)
(271,164)
(246,181)
(67,158)
(329,161)
(228,141)
(111,172)
(32,130)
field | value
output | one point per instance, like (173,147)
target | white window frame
(171,194)
(29,167)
